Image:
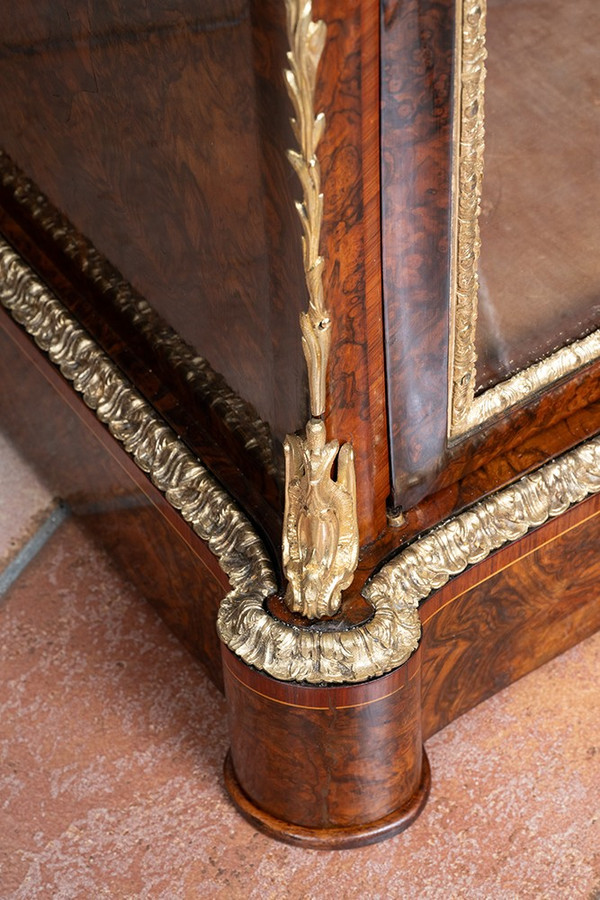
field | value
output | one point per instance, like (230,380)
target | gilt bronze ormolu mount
(338,712)
(320,541)
(320,531)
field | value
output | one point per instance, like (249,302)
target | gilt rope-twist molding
(504,517)
(283,651)
(388,639)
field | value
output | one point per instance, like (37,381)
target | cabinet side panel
(160,132)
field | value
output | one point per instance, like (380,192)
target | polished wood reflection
(81,464)
(510,614)
(343,763)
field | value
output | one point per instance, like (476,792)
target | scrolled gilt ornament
(534,378)
(320,549)
(320,657)
(468,200)
(239,415)
(243,623)
(285,651)
(388,639)
(320,528)
(468,410)
(502,518)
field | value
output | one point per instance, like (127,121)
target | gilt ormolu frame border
(284,651)
(287,652)
(466,409)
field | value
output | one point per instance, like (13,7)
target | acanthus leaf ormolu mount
(320,529)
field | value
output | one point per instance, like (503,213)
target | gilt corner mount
(320,534)
(320,530)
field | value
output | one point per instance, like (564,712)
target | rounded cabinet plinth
(326,766)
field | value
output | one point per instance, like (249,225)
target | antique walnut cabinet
(313,358)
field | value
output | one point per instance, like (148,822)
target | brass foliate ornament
(307,39)
(320,550)
(320,529)
(469,409)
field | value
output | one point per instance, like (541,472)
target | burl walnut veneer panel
(510,614)
(416,129)
(326,766)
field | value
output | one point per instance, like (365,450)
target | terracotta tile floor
(112,740)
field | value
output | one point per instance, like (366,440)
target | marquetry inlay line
(243,623)
(509,565)
(281,650)
(154,447)
(272,699)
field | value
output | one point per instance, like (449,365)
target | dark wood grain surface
(416,126)
(153,187)
(153,172)
(510,614)
(557,420)
(325,757)
(432,478)
(489,626)
(138,126)
(218,425)
(331,838)
(348,93)
(172,161)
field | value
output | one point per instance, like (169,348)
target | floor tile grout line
(33,546)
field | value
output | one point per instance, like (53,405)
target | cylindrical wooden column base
(329,766)
(332,838)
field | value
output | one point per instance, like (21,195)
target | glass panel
(149,125)
(540,216)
